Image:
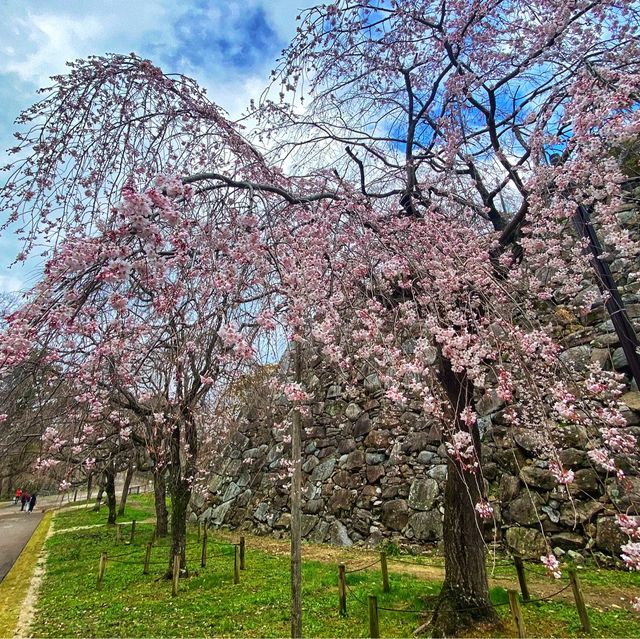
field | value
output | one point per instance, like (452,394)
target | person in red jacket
(18,496)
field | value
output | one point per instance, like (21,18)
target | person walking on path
(32,502)
(18,496)
(23,499)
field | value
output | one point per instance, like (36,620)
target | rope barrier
(549,597)
(415,563)
(348,572)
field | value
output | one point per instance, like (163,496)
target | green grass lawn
(131,604)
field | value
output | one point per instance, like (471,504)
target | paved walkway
(16,528)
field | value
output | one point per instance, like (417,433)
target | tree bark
(160,499)
(89,486)
(110,489)
(125,489)
(464,598)
(101,481)
(181,473)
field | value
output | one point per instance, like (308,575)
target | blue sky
(228,46)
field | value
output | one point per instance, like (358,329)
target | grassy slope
(132,605)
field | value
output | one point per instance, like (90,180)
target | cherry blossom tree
(144,318)
(503,117)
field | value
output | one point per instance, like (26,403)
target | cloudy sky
(228,46)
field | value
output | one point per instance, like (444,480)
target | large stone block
(427,525)
(339,535)
(423,494)
(395,514)
(529,543)
(324,470)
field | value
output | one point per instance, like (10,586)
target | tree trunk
(464,598)
(160,498)
(89,486)
(125,489)
(110,489)
(180,496)
(184,451)
(101,480)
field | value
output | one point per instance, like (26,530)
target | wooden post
(577,595)
(198,531)
(385,571)
(118,533)
(133,531)
(516,613)
(242,548)
(203,558)
(236,566)
(176,575)
(101,566)
(374,626)
(522,579)
(147,558)
(295,526)
(342,590)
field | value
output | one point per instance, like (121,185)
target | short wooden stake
(374,626)
(176,574)
(153,535)
(242,548)
(577,595)
(203,558)
(342,590)
(118,533)
(147,558)
(133,531)
(385,571)
(101,567)
(516,613)
(198,531)
(522,579)
(236,566)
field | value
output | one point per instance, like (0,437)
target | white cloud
(10,284)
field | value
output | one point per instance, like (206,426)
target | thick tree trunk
(89,486)
(180,497)
(125,489)
(464,598)
(110,489)
(184,450)
(160,499)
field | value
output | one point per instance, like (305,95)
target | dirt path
(598,597)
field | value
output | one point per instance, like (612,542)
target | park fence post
(522,579)
(342,590)
(242,548)
(198,531)
(176,574)
(101,566)
(516,613)
(236,566)
(133,531)
(374,626)
(147,558)
(577,595)
(118,533)
(385,571)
